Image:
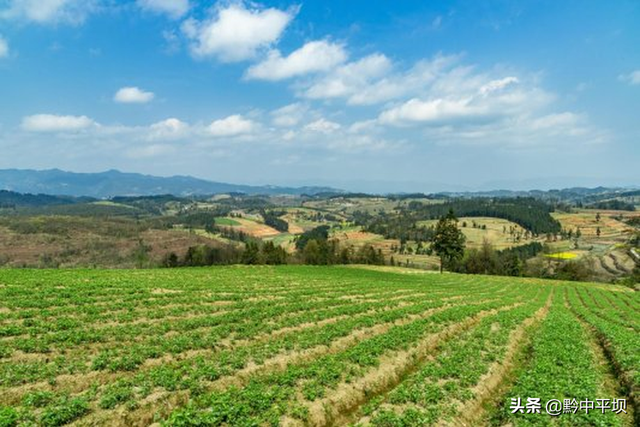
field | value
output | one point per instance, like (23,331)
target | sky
(360,95)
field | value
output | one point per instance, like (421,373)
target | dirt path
(340,407)
(165,402)
(611,386)
(616,382)
(488,387)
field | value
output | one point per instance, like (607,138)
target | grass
(258,345)
(226,221)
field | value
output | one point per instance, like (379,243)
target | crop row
(431,392)
(266,398)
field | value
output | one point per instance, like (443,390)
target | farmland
(297,345)
(499,232)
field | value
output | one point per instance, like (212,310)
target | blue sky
(376,96)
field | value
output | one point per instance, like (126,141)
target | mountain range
(115,183)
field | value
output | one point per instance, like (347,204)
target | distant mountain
(115,183)
(569,195)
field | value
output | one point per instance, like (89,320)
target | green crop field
(293,345)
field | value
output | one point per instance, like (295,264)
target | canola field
(297,346)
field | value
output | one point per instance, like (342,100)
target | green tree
(312,253)
(273,254)
(251,254)
(448,241)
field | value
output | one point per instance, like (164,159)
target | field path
(339,407)
(495,379)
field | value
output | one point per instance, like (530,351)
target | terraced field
(243,346)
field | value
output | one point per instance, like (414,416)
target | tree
(598,217)
(598,232)
(448,241)
(170,260)
(312,252)
(273,254)
(251,254)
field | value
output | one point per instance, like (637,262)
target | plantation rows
(310,346)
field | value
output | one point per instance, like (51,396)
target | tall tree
(448,241)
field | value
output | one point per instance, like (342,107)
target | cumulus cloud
(236,32)
(4,47)
(56,123)
(173,8)
(132,95)
(480,98)
(49,11)
(322,126)
(313,57)
(631,78)
(231,126)
(346,80)
(168,129)
(375,79)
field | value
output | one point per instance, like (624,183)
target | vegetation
(617,205)
(448,241)
(168,231)
(317,345)
(531,214)
(273,219)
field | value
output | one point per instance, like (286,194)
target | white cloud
(375,79)
(439,110)
(236,32)
(349,78)
(313,57)
(496,85)
(49,11)
(322,126)
(289,115)
(4,47)
(631,78)
(460,96)
(231,126)
(132,95)
(168,129)
(173,8)
(556,120)
(55,123)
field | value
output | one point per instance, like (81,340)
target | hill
(115,183)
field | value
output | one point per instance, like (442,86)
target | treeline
(272,219)
(487,260)
(614,205)
(329,252)
(11,199)
(529,213)
(400,226)
(314,247)
(316,251)
(204,255)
